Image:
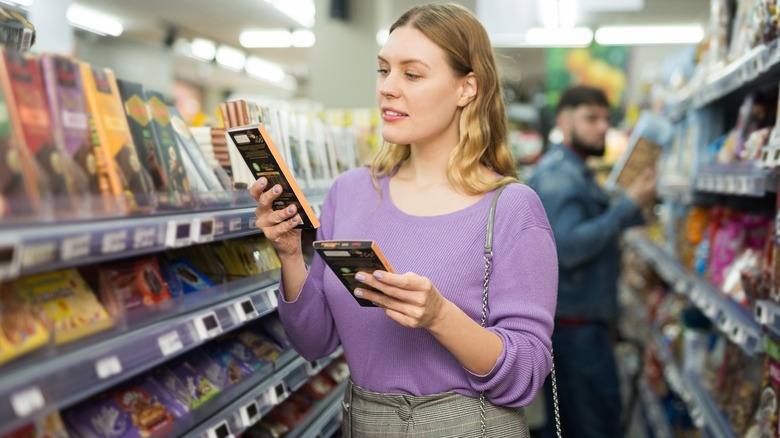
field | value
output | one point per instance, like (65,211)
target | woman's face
(419,94)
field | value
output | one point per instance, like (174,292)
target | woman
(420,360)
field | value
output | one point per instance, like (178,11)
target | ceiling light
(548,13)
(203,49)
(303,38)
(382,35)
(262,69)
(574,37)
(567,13)
(265,38)
(24,3)
(231,58)
(301,11)
(93,21)
(637,35)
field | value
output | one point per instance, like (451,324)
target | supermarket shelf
(740,179)
(323,415)
(768,315)
(731,318)
(657,419)
(702,408)
(263,391)
(46,246)
(61,377)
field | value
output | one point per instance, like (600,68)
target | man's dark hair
(578,95)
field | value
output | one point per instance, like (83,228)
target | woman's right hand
(278,226)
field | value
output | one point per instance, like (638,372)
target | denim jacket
(587,225)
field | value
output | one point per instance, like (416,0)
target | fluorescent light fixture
(382,35)
(93,21)
(265,38)
(575,37)
(265,70)
(231,58)
(303,38)
(301,11)
(204,49)
(567,13)
(638,35)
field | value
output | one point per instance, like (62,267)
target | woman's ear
(468,89)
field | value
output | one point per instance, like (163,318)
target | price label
(252,223)
(234,224)
(170,343)
(250,414)
(27,401)
(178,233)
(9,259)
(144,237)
(762,315)
(245,310)
(278,393)
(681,286)
(115,241)
(273,297)
(107,367)
(75,247)
(312,368)
(36,254)
(203,230)
(220,431)
(219,227)
(207,326)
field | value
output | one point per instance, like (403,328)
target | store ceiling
(151,21)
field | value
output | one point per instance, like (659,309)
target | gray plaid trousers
(369,414)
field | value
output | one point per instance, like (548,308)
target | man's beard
(584,149)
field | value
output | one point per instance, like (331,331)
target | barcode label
(27,401)
(144,238)
(273,297)
(107,367)
(169,343)
(26,40)
(219,227)
(115,241)
(75,247)
(38,254)
(235,224)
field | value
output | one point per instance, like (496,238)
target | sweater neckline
(390,207)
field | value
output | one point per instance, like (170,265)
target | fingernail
(358,293)
(360,277)
(377,274)
(295,220)
(262,181)
(290,209)
(277,189)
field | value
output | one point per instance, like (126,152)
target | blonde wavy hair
(482,127)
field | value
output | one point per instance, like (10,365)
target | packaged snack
(241,352)
(67,305)
(262,348)
(48,426)
(213,371)
(272,325)
(20,330)
(192,280)
(132,284)
(198,387)
(233,369)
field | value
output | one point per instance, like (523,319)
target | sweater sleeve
(522,299)
(308,320)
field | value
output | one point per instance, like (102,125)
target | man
(587,225)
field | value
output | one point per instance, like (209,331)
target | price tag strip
(114,241)
(145,237)
(27,401)
(203,230)
(273,297)
(245,309)
(107,367)
(75,247)
(207,326)
(222,430)
(38,253)
(170,343)
(10,259)
(219,227)
(178,233)
(250,414)
(234,224)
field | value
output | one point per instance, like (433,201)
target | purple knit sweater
(386,357)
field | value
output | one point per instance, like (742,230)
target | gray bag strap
(488,256)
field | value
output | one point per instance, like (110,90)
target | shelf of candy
(177,397)
(308,411)
(735,162)
(68,334)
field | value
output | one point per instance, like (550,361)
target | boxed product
(140,409)
(132,284)
(191,387)
(241,352)
(67,305)
(47,426)
(262,348)
(20,329)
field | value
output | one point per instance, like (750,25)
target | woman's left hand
(409,299)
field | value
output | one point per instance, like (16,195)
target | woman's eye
(383,71)
(413,76)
